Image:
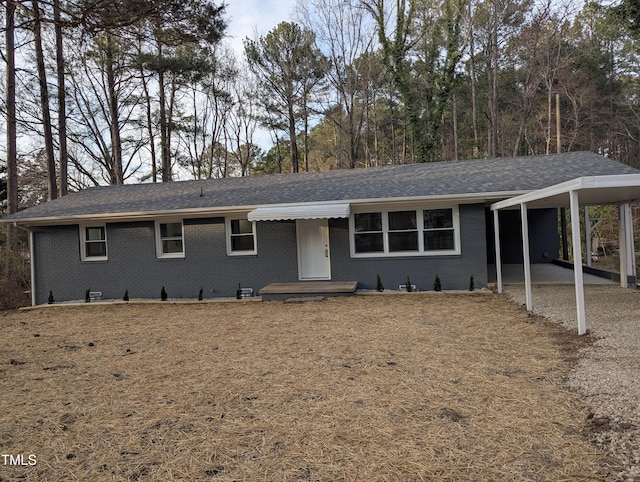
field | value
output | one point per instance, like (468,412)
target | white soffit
(308,211)
(591,190)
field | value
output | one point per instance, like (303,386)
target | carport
(582,191)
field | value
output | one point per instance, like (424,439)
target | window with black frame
(241,237)
(439,231)
(94,243)
(368,234)
(407,232)
(170,239)
(403,231)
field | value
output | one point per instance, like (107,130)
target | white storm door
(313,249)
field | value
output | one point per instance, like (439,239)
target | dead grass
(408,387)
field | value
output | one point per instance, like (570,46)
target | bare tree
(103,128)
(62,101)
(12,154)
(242,122)
(44,100)
(346,33)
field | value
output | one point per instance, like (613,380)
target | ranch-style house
(396,222)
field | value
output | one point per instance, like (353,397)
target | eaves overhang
(218,211)
(129,216)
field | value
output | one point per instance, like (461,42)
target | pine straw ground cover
(402,387)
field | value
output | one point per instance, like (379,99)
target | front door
(313,249)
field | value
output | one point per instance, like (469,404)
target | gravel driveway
(608,373)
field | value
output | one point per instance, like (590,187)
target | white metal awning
(298,211)
(582,191)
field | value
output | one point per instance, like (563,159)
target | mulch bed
(417,386)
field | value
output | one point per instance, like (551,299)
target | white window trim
(420,223)
(83,241)
(159,253)
(248,252)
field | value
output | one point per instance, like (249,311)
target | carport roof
(591,190)
(581,191)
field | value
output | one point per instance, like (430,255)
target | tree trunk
(353,134)
(12,153)
(44,101)
(455,128)
(169,124)
(493,107)
(306,134)
(117,176)
(62,102)
(293,147)
(164,143)
(474,87)
(152,139)
(549,120)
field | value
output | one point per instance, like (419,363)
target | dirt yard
(380,387)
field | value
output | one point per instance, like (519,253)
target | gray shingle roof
(442,179)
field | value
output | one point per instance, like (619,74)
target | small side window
(169,239)
(241,237)
(93,243)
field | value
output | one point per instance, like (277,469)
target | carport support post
(631,246)
(622,216)
(587,235)
(526,260)
(627,248)
(577,261)
(496,232)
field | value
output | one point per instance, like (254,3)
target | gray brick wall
(454,271)
(133,266)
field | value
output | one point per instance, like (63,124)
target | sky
(245,17)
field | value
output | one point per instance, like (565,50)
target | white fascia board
(577,184)
(468,198)
(612,181)
(132,216)
(536,195)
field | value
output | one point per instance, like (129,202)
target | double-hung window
(241,237)
(439,231)
(406,232)
(403,231)
(169,239)
(93,243)
(368,234)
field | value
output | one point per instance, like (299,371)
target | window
(93,243)
(368,235)
(241,237)
(409,232)
(438,229)
(169,240)
(403,231)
